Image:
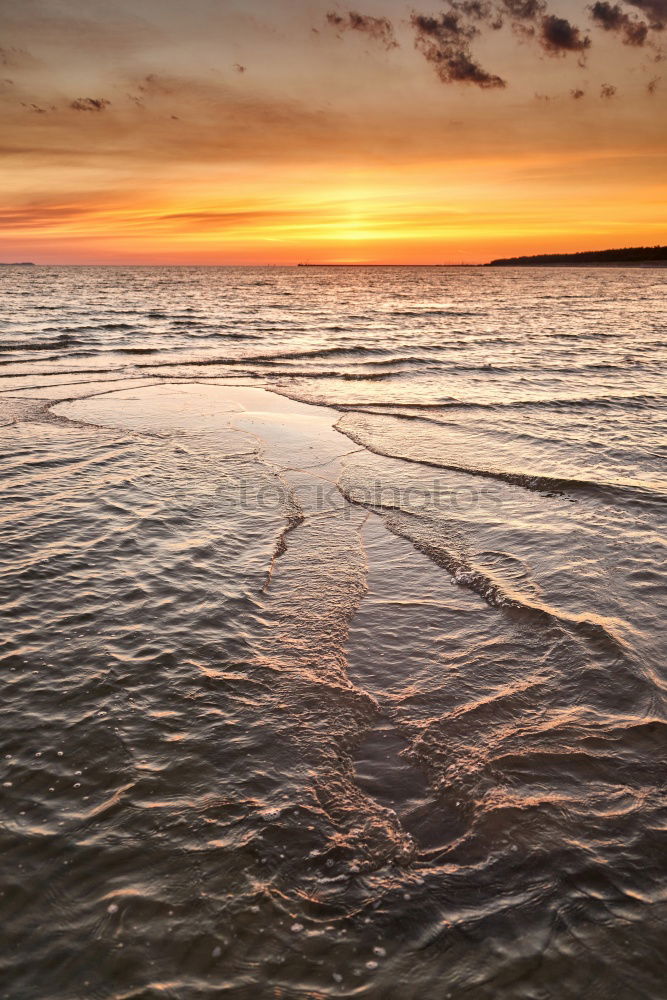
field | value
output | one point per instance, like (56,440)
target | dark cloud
(612,18)
(380,29)
(523,15)
(607,90)
(446,39)
(523,10)
(89,104)
(445,42)
(654,10)
(449,28)
(475,10)
(652,85)
(557,36)
(577,94)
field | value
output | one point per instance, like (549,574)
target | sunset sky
(272,132)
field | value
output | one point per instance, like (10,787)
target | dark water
(332,653)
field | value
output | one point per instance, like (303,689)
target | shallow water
(333,655)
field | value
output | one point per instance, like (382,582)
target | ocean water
(333,653)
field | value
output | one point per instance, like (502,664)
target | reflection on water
(349,688)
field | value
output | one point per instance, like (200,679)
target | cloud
(655,10)
(89,104)
(559,36)
(36,109)
(523,15)
(524,10)
(476,10)
(612,18)
(445,42)
(39,216)
(14,58)
(217,220)
(607,90)
(380,29)
(652,85)
(219,121)
(154,85)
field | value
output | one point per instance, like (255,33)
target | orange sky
(256,132)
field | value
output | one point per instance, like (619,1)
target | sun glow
(420,212)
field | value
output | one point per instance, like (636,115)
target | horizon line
(32,263)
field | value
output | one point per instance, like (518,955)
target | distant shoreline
(619,257)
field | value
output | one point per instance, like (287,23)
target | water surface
(333,661)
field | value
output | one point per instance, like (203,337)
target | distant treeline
(626,255)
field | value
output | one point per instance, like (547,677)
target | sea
(333,656)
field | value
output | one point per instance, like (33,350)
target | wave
(291,373)
(233,335)
(135,350)
(537,482)
(416,313)
(395,408)
(320,352)
(114,326)
(326,352)
(496,592)
(64,340)
(57,373)
(398,359)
